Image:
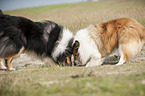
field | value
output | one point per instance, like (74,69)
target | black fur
(39,37)
(1,13)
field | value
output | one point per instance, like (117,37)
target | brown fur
(109,35)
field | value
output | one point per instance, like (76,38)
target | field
(33,77)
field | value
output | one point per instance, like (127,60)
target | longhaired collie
(125,36)
(46,39)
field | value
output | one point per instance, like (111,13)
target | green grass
(124,80)
(39,10)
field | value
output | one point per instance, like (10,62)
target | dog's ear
(75,56)
(76,46)
(67,62)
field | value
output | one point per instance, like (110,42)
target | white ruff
(62,43)
(88,49)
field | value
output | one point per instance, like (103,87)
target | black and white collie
(46,39)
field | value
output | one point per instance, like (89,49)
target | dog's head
(74,59)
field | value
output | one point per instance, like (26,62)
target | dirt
(25,61)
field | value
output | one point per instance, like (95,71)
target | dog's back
(125,34)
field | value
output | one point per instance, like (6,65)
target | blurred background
(16,4)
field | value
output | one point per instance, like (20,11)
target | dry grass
(107,80)
(80,15)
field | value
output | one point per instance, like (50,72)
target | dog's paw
(12,69)
(119,64)
(94,62)
(92,65)
(3,68)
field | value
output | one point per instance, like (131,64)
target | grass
(72,81)
(39,10)
(106,80)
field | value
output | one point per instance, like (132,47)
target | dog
(125,36)
(46,39)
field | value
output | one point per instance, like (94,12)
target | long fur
(46,39)
(97,41)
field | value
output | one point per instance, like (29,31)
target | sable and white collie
(46,39)
(93,43)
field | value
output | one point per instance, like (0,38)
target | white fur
(62,43)
(135,47)
(12,69)
(3,64)
(88,49)
(132,48)
(121,61)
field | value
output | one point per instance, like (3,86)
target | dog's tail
(1,12)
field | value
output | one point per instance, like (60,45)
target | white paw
(89,65)
(3,67)
(120,62)
(93,64)
(12,69)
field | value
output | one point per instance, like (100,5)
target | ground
(34,77)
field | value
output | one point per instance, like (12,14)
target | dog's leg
(9,59)
(94,61)
(128,50)
(122,58)
(3,64)
(9,63)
